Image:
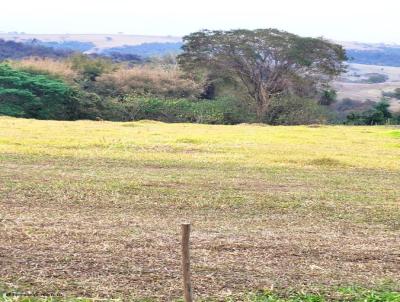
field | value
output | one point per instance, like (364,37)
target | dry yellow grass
(59,68)
(149,80)
(363,92)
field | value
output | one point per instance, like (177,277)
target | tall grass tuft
(57,68)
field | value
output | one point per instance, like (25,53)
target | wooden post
(187,285)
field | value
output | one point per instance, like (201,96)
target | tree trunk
(262,100)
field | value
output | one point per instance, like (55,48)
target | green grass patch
(395,134)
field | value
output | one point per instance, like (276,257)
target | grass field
(93,209)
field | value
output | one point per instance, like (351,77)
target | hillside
(354,84)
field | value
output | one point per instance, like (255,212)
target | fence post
(187,285)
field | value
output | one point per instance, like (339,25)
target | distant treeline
(54,49)
(11,50)
(66,45)
(385,56)
(16,50)
(147,50)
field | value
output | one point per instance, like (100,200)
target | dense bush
(296,111)
(147,81)
(84,87)
(392,94)
(91,68)
(222,111)
(328,97)
(23,94)
(376,78)
(347,106)
(378,115)
(36,95)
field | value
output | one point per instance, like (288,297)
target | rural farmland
(93,209)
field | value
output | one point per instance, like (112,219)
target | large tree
(267,62)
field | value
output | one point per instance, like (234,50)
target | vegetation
(148,81)
(75,46)
(271,76)
(394,94)
(343,294)
(31,94)
(36,96)
(267,62)
(296,111)
(15,50)
(328,97)
(99,89)
(375,78)
(221,111)
(57,50)
(94,208)
(46,66)
(378,115)
(90,68)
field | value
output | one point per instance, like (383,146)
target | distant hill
(374,69)
(373,54)
(384,56)
(146,46)
(98,42)
(356,84)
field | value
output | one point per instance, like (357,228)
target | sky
(342,20)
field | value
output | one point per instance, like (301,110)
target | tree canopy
(35,96)
(267,62)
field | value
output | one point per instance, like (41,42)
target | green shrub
(328,97)
(392,94)
(294,110)
(376,78)
(91,68)
(378,115)
(222,111)
(36,96)
(32,95)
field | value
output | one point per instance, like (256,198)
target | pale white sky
(346,20)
